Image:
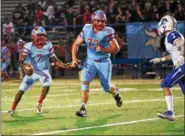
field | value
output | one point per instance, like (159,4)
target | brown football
(28,69)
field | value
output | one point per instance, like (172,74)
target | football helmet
(39,36)
(98,19)
(167,23)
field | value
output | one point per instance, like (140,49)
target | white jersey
(174,50)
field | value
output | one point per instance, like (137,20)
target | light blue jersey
(97,63)
(40,61)
(39,57)
(99,38)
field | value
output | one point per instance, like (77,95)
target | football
(28,69)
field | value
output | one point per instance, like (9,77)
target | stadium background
(64,19)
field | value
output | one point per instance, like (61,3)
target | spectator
(43,4)
(38,14)
(48,22)
(8,27)
(86,17)
(60,53)
(147,12)
(111,15)
(179,13)
(70,20)
(50,11)
(20,8)
(140,16)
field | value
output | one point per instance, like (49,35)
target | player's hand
(68,65)
(156,60)
(75,63)
(98,48)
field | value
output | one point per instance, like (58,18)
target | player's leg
(105,73)
(182,85)
(171,79)
(26,83)
(182,80)
(88,73)
(46,80)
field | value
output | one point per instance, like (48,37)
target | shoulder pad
(173,36)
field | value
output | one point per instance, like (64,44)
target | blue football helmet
(39,36)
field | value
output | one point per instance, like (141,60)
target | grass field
(142,100)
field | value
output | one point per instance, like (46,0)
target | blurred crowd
(48,13)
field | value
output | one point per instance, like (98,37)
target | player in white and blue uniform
(39,51)
(174,44)
(100,44)
(5,59)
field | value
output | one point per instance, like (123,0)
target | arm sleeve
(51,50)
(26,50)
(109,34)
(173,36)
(82,32)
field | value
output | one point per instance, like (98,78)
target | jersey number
(39,57)
(92,42)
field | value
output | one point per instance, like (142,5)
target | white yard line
(95,104)
(101,126)
(92,91)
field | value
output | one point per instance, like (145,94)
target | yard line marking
(102,126)
(77,83)
(96,104)
(94,91)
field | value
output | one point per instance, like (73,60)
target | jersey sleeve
(109,35)
(51,50)
(27,49)
(173,36)
(82,33)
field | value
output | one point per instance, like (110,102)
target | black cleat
(82,112)
(118,99)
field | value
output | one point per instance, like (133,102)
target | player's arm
(22,58)
(79,40)
(180,42)
(158,60)
(113,48)
(57,62)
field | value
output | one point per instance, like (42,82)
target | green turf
(64,99)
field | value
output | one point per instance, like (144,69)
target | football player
(100,43)
(174,44)
(5,60)
(40,50)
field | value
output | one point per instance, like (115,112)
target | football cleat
(10,112)
(82,112)
(39,107)
(118,99)
(166,115)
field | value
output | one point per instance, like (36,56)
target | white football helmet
(167,23)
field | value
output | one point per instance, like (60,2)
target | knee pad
(165,83)
(84,87)
(106,87)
